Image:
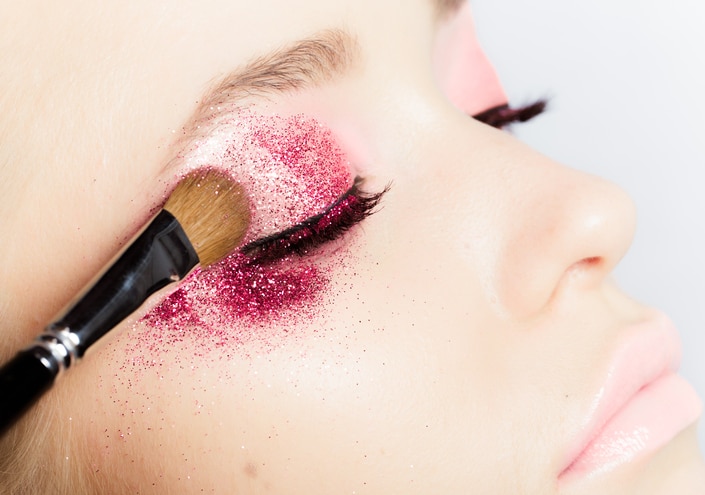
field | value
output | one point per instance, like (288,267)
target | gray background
(626,79)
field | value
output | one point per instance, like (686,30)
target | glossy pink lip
(641,407)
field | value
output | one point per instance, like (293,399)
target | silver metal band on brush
(62,344)
(160,255)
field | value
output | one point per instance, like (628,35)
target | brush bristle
(213,211)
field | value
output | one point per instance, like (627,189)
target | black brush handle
(23,380)
(162,254)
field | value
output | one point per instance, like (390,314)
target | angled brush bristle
(213,211)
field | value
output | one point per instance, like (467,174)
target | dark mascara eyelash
(349,209)
(503,115)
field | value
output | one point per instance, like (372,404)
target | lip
(641,406)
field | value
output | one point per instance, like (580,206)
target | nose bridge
(528,224)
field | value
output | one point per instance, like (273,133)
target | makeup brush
(204,219)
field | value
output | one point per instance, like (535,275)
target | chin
(677,469)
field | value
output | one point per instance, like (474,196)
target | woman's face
(465,338)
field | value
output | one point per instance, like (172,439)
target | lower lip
(650,420)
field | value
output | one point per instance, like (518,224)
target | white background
(626,82)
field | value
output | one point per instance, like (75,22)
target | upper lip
(651,350)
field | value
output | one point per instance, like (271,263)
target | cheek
(462,69)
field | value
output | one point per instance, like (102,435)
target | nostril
(585,266)
(592,261)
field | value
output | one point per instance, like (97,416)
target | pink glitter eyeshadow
(291,167)
(224,304)
(292,170)
(241,290)
(247,290)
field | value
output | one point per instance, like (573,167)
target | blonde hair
(39,456)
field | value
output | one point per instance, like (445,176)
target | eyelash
(355,205)
(503,115)
(349,209)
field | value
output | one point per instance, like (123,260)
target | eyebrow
(307,63)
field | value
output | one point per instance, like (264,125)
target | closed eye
(347,211)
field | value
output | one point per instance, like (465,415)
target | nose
(535,227)
(567,232)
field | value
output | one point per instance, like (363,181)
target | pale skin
(460,367)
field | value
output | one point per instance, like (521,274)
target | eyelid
(348,210)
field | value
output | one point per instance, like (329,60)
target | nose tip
(574,231)
(602,231)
